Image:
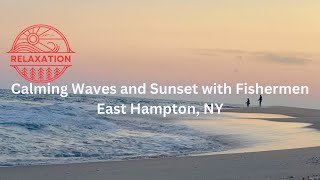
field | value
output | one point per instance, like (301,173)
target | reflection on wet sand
(256,134)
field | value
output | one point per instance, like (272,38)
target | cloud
(284,59)
(281,58)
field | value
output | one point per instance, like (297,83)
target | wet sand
(279,164)
(256,131)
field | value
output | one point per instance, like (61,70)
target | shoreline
(275,164)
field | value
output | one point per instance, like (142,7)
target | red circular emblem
(40,54)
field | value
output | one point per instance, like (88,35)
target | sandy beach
(302,163)
(284,164)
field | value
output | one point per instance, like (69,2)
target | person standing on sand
(248,102)
(260,100)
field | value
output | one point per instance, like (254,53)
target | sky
(178,42)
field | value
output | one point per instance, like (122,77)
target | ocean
(49,129)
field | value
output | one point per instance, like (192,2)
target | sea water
(48,129)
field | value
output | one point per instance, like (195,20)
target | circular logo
(40,54)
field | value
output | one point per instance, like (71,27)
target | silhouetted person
(260,100)
(248,102)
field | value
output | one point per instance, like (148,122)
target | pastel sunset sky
(178,42)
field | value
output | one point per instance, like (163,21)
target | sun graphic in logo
(33,38)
